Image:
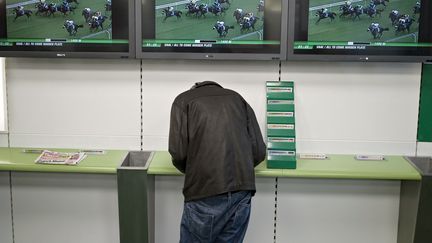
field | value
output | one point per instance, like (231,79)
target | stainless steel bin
(136,198)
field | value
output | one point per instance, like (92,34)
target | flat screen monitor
(66,28)
(371,30)
(212,29)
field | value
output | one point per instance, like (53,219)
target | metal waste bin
(136,199)
(415,212)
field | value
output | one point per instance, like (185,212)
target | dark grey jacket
(215,140)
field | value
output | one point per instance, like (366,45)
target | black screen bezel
(218,54)
(362,57)
(87,54)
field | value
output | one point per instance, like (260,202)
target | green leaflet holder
(280,105)
(280,130)
(279,159)
(283,90)
(278,117)
(281,143)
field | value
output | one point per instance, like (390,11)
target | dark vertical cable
(275,212)
(280,70)
(141,108)
(276,180)
(11,204)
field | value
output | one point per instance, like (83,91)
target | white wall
(76,103)
(3,105)
(351,108)
(341,107)
(4,140)
(424,149)
(65,207)
(330,211)
(3,122)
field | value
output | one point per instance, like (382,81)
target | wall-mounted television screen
(63,28)
(374,30)
(212,29)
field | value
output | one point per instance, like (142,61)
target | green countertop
(13,159)
(336,167)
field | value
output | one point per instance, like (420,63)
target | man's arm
(258,145)
(178,140)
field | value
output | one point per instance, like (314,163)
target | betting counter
(339,199)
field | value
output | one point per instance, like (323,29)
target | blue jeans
(219,219)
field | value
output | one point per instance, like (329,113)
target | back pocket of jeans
(241,217)
(200,225)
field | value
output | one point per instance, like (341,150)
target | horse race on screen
(57,19)
(364,21)
(209,20)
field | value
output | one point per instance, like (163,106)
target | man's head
(197,84)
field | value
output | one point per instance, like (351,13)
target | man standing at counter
(216,142)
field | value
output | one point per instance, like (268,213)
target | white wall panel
(424,149)
(74,103)
(261,224)
(67,208)
(342,107)
(4,140)
(3,105)
(5,209)
(355,107)
(164,80)
(169,208)
(337,211)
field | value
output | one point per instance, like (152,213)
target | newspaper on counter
(60,158)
